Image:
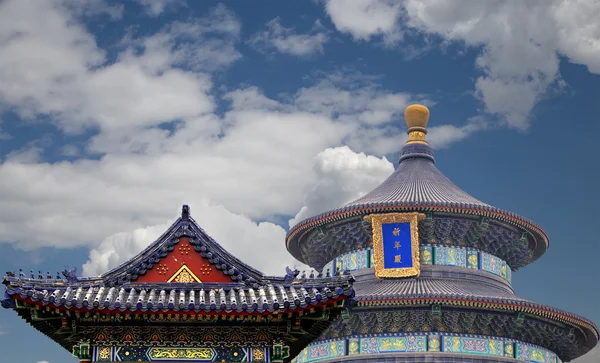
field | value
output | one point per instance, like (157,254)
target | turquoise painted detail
(317,352)
(492,264)
(473,259)
(531,353)
(426,254)
(429,255)
(426,343)
(473,345)
(392,344)
(450,256)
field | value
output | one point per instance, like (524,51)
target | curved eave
(490,303)
(297,232)
(183,298)
(326,302)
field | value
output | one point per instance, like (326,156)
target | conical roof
(417,181)
(418,185)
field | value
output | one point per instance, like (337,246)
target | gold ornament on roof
(416,117)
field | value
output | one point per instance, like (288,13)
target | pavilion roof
(142,284)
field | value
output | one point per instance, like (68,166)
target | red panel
(183,254)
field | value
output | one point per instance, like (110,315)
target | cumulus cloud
(50,65)
(520,42)
(340,176)
(43,361)
(364,19)
(158,142)
(287,41)
(236,233)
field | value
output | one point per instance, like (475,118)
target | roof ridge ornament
(416,117)
(185,212)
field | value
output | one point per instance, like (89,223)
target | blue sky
(259,114)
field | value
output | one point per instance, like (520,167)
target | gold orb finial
(416,117)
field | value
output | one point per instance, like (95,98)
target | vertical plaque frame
(377,221)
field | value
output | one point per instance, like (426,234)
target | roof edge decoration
(417,185)
(119,290)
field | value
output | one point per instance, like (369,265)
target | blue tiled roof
(213,297)
(379,292)
(249,289)
(418,181)
(416,185)
(203,244)
(428,287)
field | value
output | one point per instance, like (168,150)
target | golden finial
(416,117)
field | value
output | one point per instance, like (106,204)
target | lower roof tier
(192,298)
(438,292)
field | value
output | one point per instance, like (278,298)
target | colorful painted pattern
(415,343)
(530,353)
(434,343)
(392,344)
(426,255)
(491,264)
(430,255)
(355,260)
(473,259)
(471,345)
(316,352)
(160,354)
(450,256)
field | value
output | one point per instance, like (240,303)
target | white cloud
(50,65)
(43,361)
(520,42)
(255,161)
(593,356)
(341,176)
(156,7)
(236,233)
(287,41)
(158,142)
(364,19)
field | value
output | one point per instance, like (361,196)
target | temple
(417,270)
(433,269)
(182,299)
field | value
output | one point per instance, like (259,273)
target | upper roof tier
(417,185)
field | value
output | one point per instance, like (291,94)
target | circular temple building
(433,268)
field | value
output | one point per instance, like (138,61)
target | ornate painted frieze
(492,264)
(450,256)
(473,345)
(429,255)
(426,343)
(327,350)
(531,353)
(181,354)
(394,344)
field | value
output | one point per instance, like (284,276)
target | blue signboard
(397,246)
